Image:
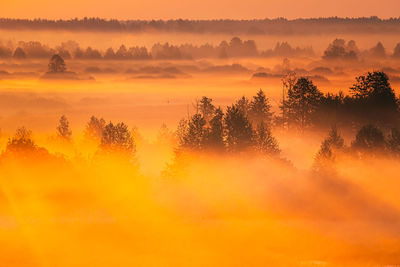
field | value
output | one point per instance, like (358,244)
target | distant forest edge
(257,26)
(338,49)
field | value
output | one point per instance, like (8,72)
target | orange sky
(199,9)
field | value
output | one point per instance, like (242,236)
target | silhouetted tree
(19,53)
(331,111)
(94,128)
(215,133)
(206,108)
(109,54)
(339,50)
(195,135)
(369,139)
(288,82)
(260,109)
(21,141)
(376,99)
(396,52)
(122,52)
(117,139)
(56,64)
(22,146)
(181,131)
(265,142)
(332,143)
(243,105)
(91,53)
(378,51)
(325,159)
(238,128)
(302,103)
(393,141)
(63,130)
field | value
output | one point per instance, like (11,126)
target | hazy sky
(197,9)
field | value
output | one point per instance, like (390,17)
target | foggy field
(85,212)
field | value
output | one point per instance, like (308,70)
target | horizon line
(373,17)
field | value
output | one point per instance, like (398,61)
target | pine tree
(331,144)
(238,128)
(206,108)
(243,105)
(302,103)
(194,138)
(265,142)
(215,133)
(260,109)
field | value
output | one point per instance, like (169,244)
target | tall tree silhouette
(206,108)
(181,131)
(239,131)
(376,99)
(194,137)
(331,144)
(243,105)
(265,142)
(288,82)
(215,133)
(260,109)
(302,103)
(326,157)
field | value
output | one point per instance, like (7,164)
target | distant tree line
(236,47)
(255,26)
(339,49)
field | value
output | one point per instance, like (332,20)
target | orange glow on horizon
(174,9)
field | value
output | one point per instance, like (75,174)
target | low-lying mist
(70,208)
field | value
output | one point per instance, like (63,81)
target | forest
(370,111)
(256,26)
(235,48)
